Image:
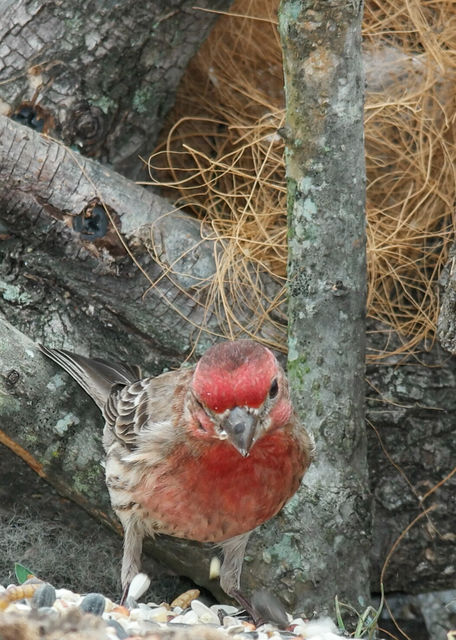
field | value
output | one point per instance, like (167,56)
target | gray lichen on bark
(327,286)
(39,416)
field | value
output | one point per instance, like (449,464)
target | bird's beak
(240,426)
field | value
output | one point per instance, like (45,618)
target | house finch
(206,453)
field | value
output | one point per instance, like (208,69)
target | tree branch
(100,76)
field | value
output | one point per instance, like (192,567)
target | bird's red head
(234,374)
(240,392)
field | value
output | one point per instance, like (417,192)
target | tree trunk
(330,520)
(447,316)
(99,75)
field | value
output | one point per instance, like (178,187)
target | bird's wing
(146,417)
(96,376)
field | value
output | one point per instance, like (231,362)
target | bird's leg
(124,594)
(230,572)
(131,560)
(233,557)
(263,606)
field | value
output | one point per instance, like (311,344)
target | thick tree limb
(101,75)
(45,190)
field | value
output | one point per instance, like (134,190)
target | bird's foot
(246,604)
(264,607)
(124,595)
(135,588)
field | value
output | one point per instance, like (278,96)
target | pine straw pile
(222,154)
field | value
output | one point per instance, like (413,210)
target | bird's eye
(273,391)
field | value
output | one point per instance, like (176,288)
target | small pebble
(204,613)
(186,618)
(19,607)
(144,613)
(68,596)
(138,586)
(109,605)
(214,568)
(93,603)
(159,614)
(130,602)
(44,596)
(232,626)
(120,610)
(151,621)
(46,612)
(248,626)
(229,621)
(185,599)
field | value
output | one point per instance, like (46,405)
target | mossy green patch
(291,195)
(143,100)
(104,103)
(88,481)
(297,369)
(13,293)
(286,552)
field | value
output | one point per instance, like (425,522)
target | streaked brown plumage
(206,453)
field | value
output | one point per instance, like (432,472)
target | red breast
(215,494)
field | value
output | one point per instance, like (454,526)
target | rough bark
(447,317)
(329,521)
(412,450)
(100,75)
(54,260)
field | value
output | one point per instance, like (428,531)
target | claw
(269,607)
(264,607)
(124,595)
(246,604)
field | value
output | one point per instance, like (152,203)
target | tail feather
(95,376)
